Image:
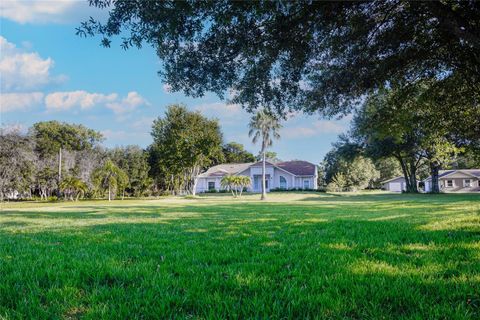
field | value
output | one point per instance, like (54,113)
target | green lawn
(310,255)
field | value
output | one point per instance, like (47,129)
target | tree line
(405,131)
(56,159)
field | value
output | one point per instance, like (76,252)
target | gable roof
(224,169)
(393,179)
(297,168)
(260,163)
(445,173)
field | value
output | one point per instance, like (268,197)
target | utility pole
(59,164)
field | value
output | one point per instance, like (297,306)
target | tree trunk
(413,176)
(409,170)
(434,168)
(264,190)
(405,173)
(109,194)
(196,172)
(59,170)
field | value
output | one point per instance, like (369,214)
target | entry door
(257,186)
(257,183)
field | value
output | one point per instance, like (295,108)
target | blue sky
(49,73)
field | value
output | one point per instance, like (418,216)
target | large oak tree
(310,55)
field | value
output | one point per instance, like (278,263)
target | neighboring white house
(464,180)
(281,175)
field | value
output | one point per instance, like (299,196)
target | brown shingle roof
(298,167)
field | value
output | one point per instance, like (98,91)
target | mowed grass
(305,255)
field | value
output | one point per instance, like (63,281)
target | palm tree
(73,187)
(235,184)
(229,182)
(110,177)
(243,182)
(264,126)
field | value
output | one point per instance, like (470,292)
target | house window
(449,183)
(467,183)
(283,183)
(306,184)
(211,185)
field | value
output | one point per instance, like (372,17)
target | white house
(463,180)
(281,175)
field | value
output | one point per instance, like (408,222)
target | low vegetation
(297,255)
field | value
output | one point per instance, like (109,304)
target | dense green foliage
(134,162)
(51,136)
(184,143)
(309,55)
(110,179)
(298,256)
(356,174)
(235,152)
(408,127)
(73,188)
(16,162)
(269,155)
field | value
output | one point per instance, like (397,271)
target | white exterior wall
(311,182)
(202,184)
(274,182)
(258,170)
(288,176)
(428,185)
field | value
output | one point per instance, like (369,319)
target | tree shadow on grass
(197,267)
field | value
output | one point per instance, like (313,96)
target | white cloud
(47,11)
(219,109)
(318,127)
(128,104)
(19,101)
(23,71)
(59,101)
(83,100)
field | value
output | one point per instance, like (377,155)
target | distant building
(463,180)
(397,184)
(282,175)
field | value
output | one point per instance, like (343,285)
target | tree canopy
(50,136)
(316,56)
(184,143)
(235,152)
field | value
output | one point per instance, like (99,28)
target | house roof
(393,179)
(298,168)
(445,173)
(224,169)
